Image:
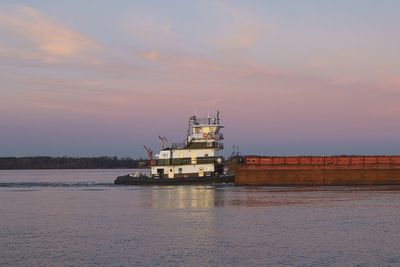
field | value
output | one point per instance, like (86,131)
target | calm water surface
(79,218)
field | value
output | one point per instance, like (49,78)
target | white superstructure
(196,156)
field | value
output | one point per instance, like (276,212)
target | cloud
(393,83)
(210,103)
(193,68)
(243,37)
(42,38)
(149,28)
(151,55)
(238,30)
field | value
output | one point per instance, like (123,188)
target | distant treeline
(20,163)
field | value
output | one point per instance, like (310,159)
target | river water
(79,218)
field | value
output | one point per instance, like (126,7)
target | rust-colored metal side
(334,170)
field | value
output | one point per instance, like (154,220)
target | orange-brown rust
(315,160)
(333,170)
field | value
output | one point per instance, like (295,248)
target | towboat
(196,160)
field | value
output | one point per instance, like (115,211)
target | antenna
(162,142)
(165,140)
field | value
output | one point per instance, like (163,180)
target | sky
(92,78)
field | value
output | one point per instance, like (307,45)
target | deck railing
(189,161)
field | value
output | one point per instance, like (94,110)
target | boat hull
(129,180)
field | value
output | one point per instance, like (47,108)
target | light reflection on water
(212,196)
(85,220)
(182,197)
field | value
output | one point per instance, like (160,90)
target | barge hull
(319,171)
(315,177)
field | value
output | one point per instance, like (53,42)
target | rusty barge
(318,170)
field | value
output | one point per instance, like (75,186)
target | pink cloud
(239,30)
(149,28)
(51,40)
(393,83)
(241,38)
(151,55)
